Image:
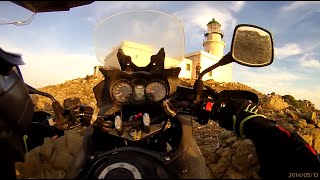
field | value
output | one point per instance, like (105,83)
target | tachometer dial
(122,91)
(156,91)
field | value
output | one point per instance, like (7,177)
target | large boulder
(32,167)
(219,168)
(245,156)
(74,142)
(46,150)
(311,117)
(53,158)
(275,102)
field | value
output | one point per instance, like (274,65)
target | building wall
(185,73)
(194,62)
(214,45)
(221,74)
(141,54)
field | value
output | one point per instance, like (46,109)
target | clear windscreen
(140,34)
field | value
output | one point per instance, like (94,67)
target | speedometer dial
(156,91)
(122,91)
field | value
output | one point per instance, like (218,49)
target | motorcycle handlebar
(210,101)
(203,110)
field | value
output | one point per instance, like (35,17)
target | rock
(212,159)
(245,156)
(318,124)
(311,117)
(54,174)
(31,168)
(74,141)
(289,127)
(236,144)
(301,124)
(275,102)
(281,112)
(315,133)
(219,151)
(219,168)
(231,140)
(226,134)
(316,144)
(60,144)
(227,152)
(62,160)
(292,115)
(46,150)
(307,138)
(311,126)
(232,173)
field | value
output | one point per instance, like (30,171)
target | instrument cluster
(139,91)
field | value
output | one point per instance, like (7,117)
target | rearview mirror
(252,46)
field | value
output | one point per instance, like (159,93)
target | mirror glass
(11,13)
(252,46)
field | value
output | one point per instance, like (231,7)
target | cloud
(287,50)
(269,74)
(237,5)
(273,79)
(307,57)
(200,14)
(312,63)
(299,4)
(270,79)
(103,9)
(301,93)
(44,68)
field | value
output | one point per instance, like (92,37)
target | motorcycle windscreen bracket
(156,62)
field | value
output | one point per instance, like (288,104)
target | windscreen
(140,34)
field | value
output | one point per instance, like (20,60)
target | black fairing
(16,109)
(154,71)
(156,62)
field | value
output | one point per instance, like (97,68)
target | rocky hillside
(226,155)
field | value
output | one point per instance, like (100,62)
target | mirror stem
(198,84)
(34,91)
(58,110)
(225,60)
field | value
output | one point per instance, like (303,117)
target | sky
(58,46)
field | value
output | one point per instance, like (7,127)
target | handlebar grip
(239,94)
